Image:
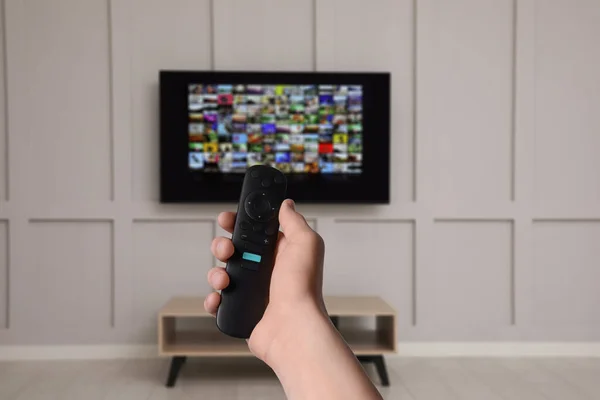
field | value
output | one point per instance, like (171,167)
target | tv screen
(328,132)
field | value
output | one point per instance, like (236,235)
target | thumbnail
(269,128)
(240,147)
(340,148)
(311,157)
(196,160)
(196,102)
(225,147)
(298,167)
(284,167)
(195,89)
(255,159)
(282,157)
(311,168)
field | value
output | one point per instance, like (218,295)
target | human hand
(296,283)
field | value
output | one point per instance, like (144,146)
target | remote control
(244,301)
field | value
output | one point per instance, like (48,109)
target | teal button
(251,257)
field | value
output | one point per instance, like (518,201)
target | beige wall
(493,232)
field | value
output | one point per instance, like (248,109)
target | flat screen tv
(328,132)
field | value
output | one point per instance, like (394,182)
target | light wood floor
(413,379)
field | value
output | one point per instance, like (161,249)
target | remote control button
(253,266)
(251,257)
(258,207)
(256,238)
(258,227)
(254,248)
(271,229)
(279,178)
(245,225)
(255,173)
(266,182)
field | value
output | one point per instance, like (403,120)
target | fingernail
(291,204)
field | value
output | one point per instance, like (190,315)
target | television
(328,132)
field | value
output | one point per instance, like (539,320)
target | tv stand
(369,345)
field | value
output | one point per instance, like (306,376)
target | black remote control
(244,301)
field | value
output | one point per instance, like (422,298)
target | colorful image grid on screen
(294,128)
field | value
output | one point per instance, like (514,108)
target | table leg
(379,366)
(176,364)
(381,370)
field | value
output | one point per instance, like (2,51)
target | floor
(411,379)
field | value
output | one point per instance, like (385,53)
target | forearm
(312,361)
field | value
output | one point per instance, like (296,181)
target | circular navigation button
(258,207)
(255,173)
(261,205)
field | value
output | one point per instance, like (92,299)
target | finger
(211,302)
(292,222)
(222,248)
(226,221)
(218,278)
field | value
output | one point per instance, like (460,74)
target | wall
(493,232)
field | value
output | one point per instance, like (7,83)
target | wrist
(298,323)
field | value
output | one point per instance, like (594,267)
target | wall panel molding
(565,261)
(121,98)
(72,270)
(467,103)
(4,274)
(324,36)
(269,40)
(211,8)
(566,118)
(413,262)
(154,44)
(4,145)
(69,135)
(373,221)
(466,291)
(414,100)
(168,258)
(111,97)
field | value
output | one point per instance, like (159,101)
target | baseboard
(405,349)
(85,352)
(499,349)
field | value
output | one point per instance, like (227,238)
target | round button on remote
(266,182)
(255,173)
(279,178)
(258,207)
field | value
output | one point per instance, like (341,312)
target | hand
(296,284)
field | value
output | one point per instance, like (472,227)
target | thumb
(292,222)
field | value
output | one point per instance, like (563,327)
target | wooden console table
(369,345)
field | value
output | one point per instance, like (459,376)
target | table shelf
(368,344)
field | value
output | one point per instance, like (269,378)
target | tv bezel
(179,184)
